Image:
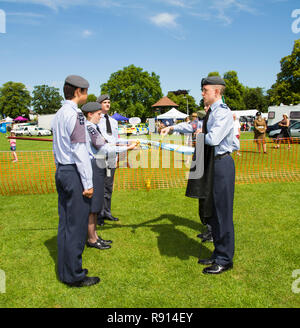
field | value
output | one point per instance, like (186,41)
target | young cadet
(74,183)
(109,129)
(219,134)
(98,148)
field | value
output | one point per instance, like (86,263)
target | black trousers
(108,189)
(73,211)
(222,218)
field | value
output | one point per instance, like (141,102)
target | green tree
(46,100)
(254,98)
(133,91)
(234,92)
(15,99)
(91,98)
(286,89)
(184,102)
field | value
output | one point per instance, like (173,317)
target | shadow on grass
(51,244)
(171,241)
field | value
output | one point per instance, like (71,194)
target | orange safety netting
(34,173)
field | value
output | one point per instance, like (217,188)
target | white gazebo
(172,114)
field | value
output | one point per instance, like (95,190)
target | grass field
(153,261)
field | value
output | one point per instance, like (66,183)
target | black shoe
(86,271)
(201,235)
(217,268)
(104,241)
(110,218)
(207,237)
(206,261)
(98,245)
(100,222)
(86,282)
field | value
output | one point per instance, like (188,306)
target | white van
(275,113)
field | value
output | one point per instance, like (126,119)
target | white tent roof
(172,113)
(8,119)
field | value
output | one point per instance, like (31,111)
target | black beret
(102,98)
(212,80)
(77,81)
(91,107)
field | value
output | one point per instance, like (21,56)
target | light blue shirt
(105,153)
(70,141)
(113,138)
(219,129)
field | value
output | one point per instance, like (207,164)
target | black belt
(222,155)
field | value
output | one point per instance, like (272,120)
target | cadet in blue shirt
(98,148)
(219,134)
(74,183)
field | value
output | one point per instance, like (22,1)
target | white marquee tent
(172,114)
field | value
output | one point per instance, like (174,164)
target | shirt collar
(216,104)
(72,104)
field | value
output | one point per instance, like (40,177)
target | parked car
(43,132)
(294,130)
(142,129)
(130,129)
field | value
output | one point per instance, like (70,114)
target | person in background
(13,147)
(284,133)
(260,128)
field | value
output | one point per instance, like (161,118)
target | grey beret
(212,80)
(91,107)
(77,81)
(102,98)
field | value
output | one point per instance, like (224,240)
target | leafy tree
(15,99)
(184,101)
(234,92)
(133,91)
(91,98)
(286,90)
(46,100)
(254,98)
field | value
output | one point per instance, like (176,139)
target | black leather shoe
(100,222)
(86,271)
(111,218)
(208,238)
(217,268)
(86,282)
(104,241)
(98,245)
(206,261)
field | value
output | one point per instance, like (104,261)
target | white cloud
(86,33)
(165,20)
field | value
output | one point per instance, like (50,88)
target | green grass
(153,260)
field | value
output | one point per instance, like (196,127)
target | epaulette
(223,105)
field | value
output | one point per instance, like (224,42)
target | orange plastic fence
(34,173)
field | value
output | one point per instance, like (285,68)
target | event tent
(20,119)
(172,114)
(119,117)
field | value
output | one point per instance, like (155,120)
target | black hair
(69,91)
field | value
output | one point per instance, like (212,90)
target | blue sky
(180,40)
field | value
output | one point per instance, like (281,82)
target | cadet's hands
(133,145)
(88,193)
(198,131)
(166,131)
